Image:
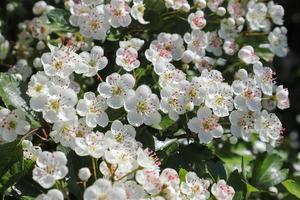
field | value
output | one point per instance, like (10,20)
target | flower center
(55,105)
(142,107)
(12,125)
(94,24)
(58,65)
(117,90)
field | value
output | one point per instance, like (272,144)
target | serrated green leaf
(267,171)
(293,187)
(11,96)
(11,167)
(59,21)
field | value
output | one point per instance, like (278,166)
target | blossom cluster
(190,87)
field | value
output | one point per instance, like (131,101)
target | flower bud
(39,7)
(84,174)
(221,11)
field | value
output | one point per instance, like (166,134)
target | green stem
(94,161)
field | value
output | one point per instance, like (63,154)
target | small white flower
(235,8)
(166,48)
(95,23)
(178,5)
(257,16)
(29,151)
(116,89)
(84,174)
(247,55)
(269,127)
(171,76)
(103,189)
(282,97)
(206,125)
(135,43)
(278,41)
(93,144)
(264,78)
(214,43)
(276,12)
(127,58)
(93,108)
(52,194)
(95,61)
(248,95)
(39,7)
(124,156)
(133,190)
(230,47)
(58,104)
(197,20)
(142,107)
(219,98)
(119,13)
(58,62)
(196,41)
(205,62)
(37,84)
(12,124)
(173,101)
(194,187)
(229,28)
(137,11)
(213,5)
(64,132)
(242,124)
(222,191)
(150,181)
(49,168)
(119,134)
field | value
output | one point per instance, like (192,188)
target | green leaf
(236,180)
(251,189)
(59,16)
(216,169)
(182,173)
(10,94)
(267,171)
(233,161)
(165,123)
(293,187)
(11,167)
(59,21)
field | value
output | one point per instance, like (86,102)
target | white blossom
(137,11)
(119,13)
(95,61)
(49,168)
(247,55)
(95,23)
(12,124)
(93,108)
(222,191)
(194,187)
(205,125)
(53,194)
(116,89)
(197,20)
(142,107)
(103,189)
